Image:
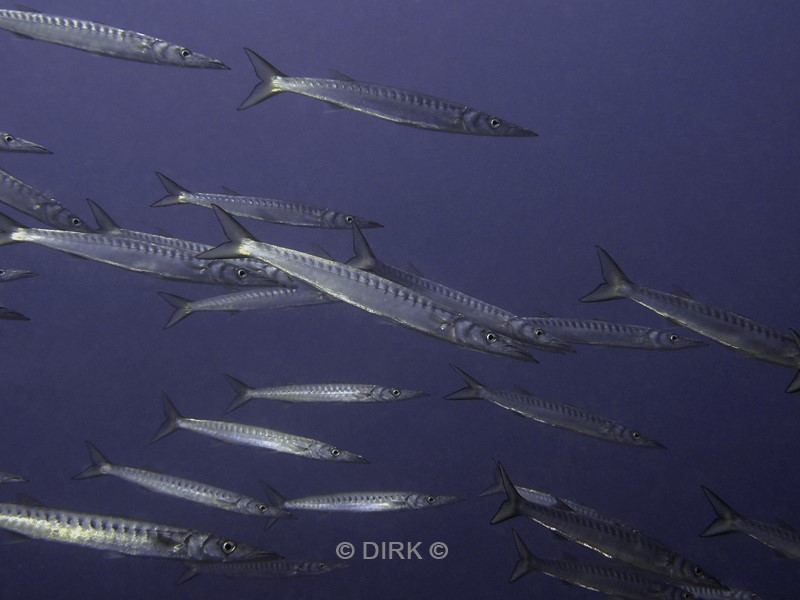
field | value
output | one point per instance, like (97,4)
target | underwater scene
(400,299)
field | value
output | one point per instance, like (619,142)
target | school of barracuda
(637,565)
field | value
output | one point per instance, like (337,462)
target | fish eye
(241,273)
(9,138)
(335,452)
(2,271)
(539,332)
(697,570)
(636,435)
(395,392)
(349,219)
(76,222)
(185,53)
(262,507)
(494,122)
(430,499)
(228,546)
(320,565)
(490,337)
(687,596)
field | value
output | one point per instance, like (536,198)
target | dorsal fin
(679,291)
(27,500)
(340,76)
(26,8)
(412,268)
(364,258)
(784,525)
(229,191)
(104,221)
(522,390)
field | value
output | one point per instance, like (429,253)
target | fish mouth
(213,63)
(368,224)
(655,445)
(37,149)
(517,353)
(11,274)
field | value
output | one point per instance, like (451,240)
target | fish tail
(511,507)
(275,498)
(99,466)
(473,392)
(182,308)
(527,561)
(104,221)
(242,391)
(364,258)
(8,227)
(171,416)
(496,487)
(190,573)
(794,386)
(616,283)
(174,191)
(267,74)
(726,517)
(235,233)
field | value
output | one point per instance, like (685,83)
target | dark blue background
(668,134)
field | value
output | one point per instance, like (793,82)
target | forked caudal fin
(794,386)
(264,89)
(615,281)
(171,417)
(174,191)
(472,392)
(242,391)
(527,561)
(7,227)
(181,306)
(235,233)
(98,466)
(726,517)
(510,508)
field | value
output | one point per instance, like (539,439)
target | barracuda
(10,143)
(389,103)
(361,501)
(27,199)
(366,291)
(102,39)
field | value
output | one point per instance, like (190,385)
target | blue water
(668,134)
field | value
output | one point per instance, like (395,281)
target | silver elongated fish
(187,489)
(320,392)
(613,335)
(470,307)
(9,314)
(14,274)
(547,499)
(707,593)
(249,435)
(389,103)
(724,327)
(380,501)
(611,579)
(263,209)
(102,39)
(11,478)
(246,300)
(282,568)
(622,543)
(556,414)
(122,535)
(366,291)
(160,256)
(27,199)
(782,538)
(10,143)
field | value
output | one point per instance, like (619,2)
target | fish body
(707,593)
(187,489)
(611,579)
(9,314)
(320,392)
(102,39)
(556,414)
(263,209)
(121,535)
(249,435)
(483,313)
(14,274)
(11,143)
(404,107)
(27,199)
(367,291)
(161,256)
(723,326)
(373,501)
(11,478)
(622,543)
(617,335)
(259,298)
(785,540)
(282,568)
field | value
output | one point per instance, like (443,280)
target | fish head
(318,567)
(339,220)
(683,570)
(390,394)
(468,333)
(256,508)
(9,143)
(207,547)
(417,500)
(666,591)
(323,451)
(672,340)
(183,57)
(532,332)
(480,123)
(635,438)
(244,272)
(12,274)
(58,216)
